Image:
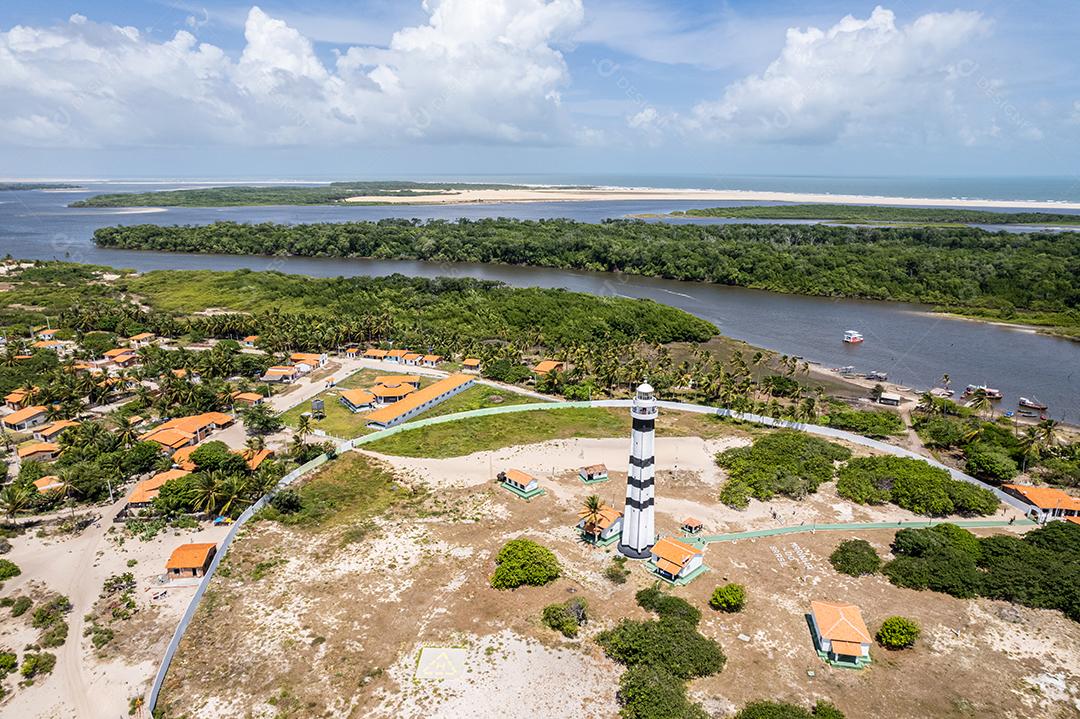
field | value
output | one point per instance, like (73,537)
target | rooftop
(419,398)
(38,448)
(840,622)
(190,556)
(20,416)
(1045,497)
(547,366)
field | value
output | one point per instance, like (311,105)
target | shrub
(668,644)
(35,664)
(566,618)
(784,710)
(616,572)
(736,494)
(20,605)
(8,663)
(897,633)
(524,562)
(51,612)
(8,569)
(728,598)
(990,462)
(826,710)
(941,432)
(878,424)
(912,484)
(650,693)
(287,501)
(789,463)
(667,606)
(55,635)
(855,557)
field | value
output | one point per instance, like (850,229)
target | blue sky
(327,88)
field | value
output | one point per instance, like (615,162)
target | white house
(519,480)
(593,473)
(25,418)
(673,560)
(840,634)
(606,527)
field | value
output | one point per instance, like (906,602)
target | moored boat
(852,337)
(990,392)
(1032,403)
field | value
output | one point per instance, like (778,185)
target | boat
(877,376)
(852,337)
(990,392)
(1025,413)
(1031,403)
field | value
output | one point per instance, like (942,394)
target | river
(913,346)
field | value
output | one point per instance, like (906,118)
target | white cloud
(859,77)
(477,69)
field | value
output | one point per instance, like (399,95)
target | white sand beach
(595,194)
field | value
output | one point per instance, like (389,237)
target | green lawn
(476,434)
(478,397)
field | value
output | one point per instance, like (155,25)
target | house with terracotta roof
(127,359)
(281,373)
(45,333)
(39,452)
(394,380)
(431,360)
(49,432)
(396,355)
(146,491)
(840,634)
(1074,520)
(48,484)
(26,418)
(249,341)
(593,473)
(357,400)
(247,399)
(352,352)
(691,525)
(56,346)
(308,361)
(677,562)
(520,483)
(16,398)
(547,367)
(419,401)
(412,358)
(143,339)
(605,529)
(1045,503)
(375,353)
(184,431)
(390,394)
(255,459)
(190,560)
(470,364)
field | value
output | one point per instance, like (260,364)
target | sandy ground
(557,194)
(84,685)
(335,628)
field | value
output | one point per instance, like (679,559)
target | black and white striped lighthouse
(639,528)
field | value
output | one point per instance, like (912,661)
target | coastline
(612,194)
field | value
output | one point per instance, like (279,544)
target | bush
(616,572)
(897,633)
(728,598)
(51,612)
(855,557)
(8,569)
(566,618)
(287,501)
(784,710)
(912,484)
(736,494)
(879,424)
(788,463)
(650,693)
(35,664)
(667,606)
(672,645)
(55,635)
(524,562)
(8,663)
(990,462)
(20,605)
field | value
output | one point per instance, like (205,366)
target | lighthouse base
(631,553)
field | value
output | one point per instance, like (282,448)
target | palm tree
(980,402)
(592,512)
(1048,432)
(124,430)
(303,426)
(206,490)
(1030,445)
(255,443)
(15,498)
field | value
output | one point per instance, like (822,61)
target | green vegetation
(660,656)
(855,557)
(1029,277)
(1037,570)
(351,489)
(728,598)
(49,618)
(523,562)
(9,662)
(616,572)
(879,424)
(479,397)
(788,463)
(8,569)
(21,605)
(478,434)
(14,186)
(37,664)
(567,617)
(784,710)
(876,213)
(251,196)
(914,485)
(897,633)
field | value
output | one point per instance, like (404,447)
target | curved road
(549,406)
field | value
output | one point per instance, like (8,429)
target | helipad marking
(440,663)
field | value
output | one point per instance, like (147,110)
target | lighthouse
(639,528)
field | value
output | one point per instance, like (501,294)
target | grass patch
(349,489)
(479,397)
(478,434)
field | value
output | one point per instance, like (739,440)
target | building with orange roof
(357,400)
(470,364)
(183,431)
(308,361)
(394,380)
(16,398)
(605,529)
(396,355)
(281,373)
(593,473)
(125,360)
(49,432)
(248,399)
(48,484)
(549,366)
(142,339)
(1046,502)
(54,345)
(412,358)
(45,333)
(190,560)
(391,394)
(691,525)
(419,401)
(114,353)
(375,353)
(255,459)
(39,452)
(520,483)
(352,351)
(249,341)
(431,360)
(182,457)
(1074,520)
(677,562)
(26,418)
(146,491)
(840,634)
